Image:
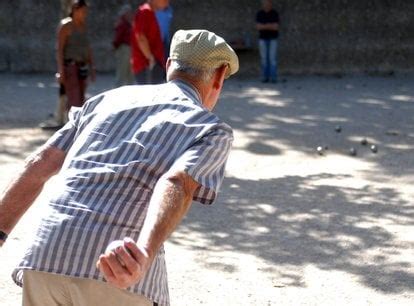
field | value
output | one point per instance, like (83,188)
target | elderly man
(129,164)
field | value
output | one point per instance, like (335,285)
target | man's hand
(152,62)
(124,263)
(60,77)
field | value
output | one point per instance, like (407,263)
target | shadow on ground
(18,143)
(293,221)
(289,221)
(303,113)
(304,223)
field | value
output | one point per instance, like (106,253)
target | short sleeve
(205,162)
(63,138)
(141,22)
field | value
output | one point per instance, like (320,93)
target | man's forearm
(170,202)
(273,26)
(125,263)
(60,61)
(26,186)
(16,199)
(267,26)
(144,46)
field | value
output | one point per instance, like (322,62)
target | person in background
(164,18)
(122,46)
(129,163)
(74,54)
(60,116)
(267,23)
(148,57)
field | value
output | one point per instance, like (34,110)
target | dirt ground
(291,227)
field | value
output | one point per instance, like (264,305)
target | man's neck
(197,86)
(152,5)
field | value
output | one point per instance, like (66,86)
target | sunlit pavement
(292,226)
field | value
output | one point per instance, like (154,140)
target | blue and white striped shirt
(118,146)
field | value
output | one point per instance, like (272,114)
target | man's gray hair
(204,75)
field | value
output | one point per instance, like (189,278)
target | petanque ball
(352,151)
(338,128)
(374,149)
(319,150)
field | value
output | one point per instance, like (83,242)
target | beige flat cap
(203,50)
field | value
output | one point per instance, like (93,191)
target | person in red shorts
(74,54)
(148,59)
(74,63)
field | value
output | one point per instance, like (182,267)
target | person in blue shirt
(164,18)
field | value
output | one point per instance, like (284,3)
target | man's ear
(167,64)
(167,67)
(219,76)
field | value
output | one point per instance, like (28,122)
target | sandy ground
(291,227)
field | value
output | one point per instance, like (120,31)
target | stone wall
(317,36)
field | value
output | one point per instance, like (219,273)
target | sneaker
(50,125)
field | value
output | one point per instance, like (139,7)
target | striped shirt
(118,146)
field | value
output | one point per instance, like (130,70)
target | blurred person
(122,47)
(164,18)
(73,57)
(267,23)
(129,163)
(60,116)
(148,57)
(74,54)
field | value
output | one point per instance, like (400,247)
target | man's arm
(27,185)
(125,265)
(62,36)
(267,26)
(91,65)
(145,48)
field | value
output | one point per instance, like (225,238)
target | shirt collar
(188,89)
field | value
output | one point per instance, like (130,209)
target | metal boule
(352,151)
(374,149)
(319,150)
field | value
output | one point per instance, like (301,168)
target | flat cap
(203,50)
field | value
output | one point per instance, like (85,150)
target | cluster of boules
(352,151)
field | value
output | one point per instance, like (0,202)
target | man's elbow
(184,182)
(43,164)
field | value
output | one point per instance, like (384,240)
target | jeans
(268,58)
